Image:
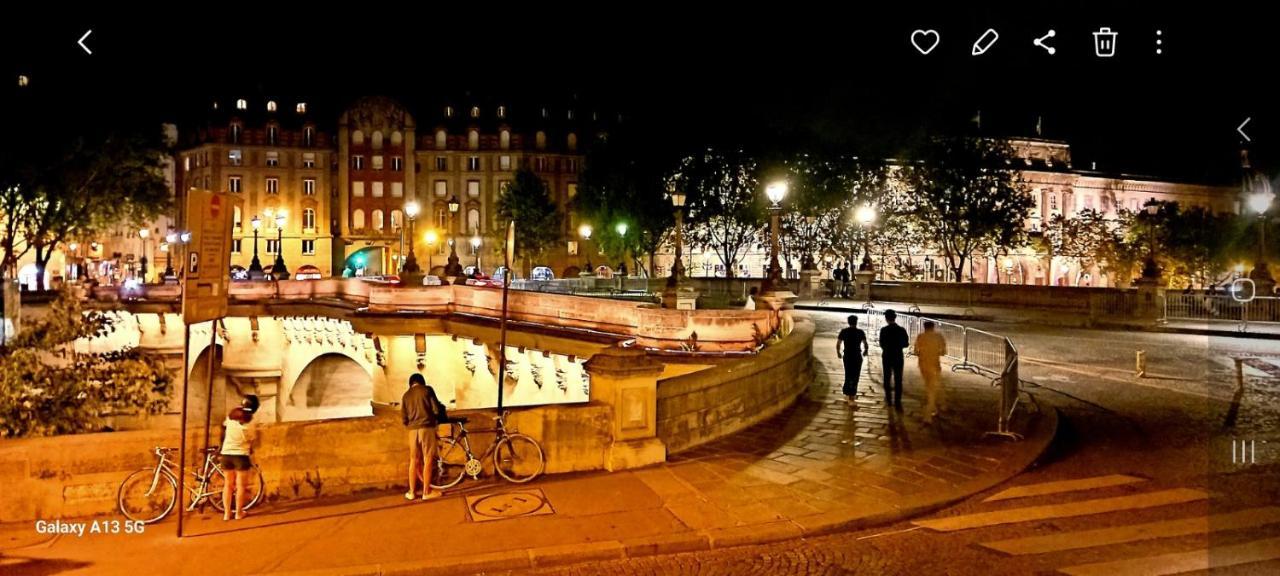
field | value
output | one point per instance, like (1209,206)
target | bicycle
(516,457)
(149,494)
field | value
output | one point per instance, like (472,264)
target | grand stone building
(344,181)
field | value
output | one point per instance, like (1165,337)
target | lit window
(357,219)
(357,162)
(502,111)
(504,162)
(1053,202)
(473,188)
(308,159)
(377,220)
(473,222)
(448,111)
(242,104)
(271,105)
(540,140)
(273,185)
(442,163)
(233,183)
(273,134)
(235,246)
(234,157)
(186,163)
(357,189)
(473,140)
(273,158)
(377,189)
(273,246)
(504,139)
(397,163)
(309,219)
(540,164)
(397,138)
(573,142)
(377,162)
(573,190)
(235,218)
(442,188)
(396,219)
(357,137)
(473,163)
(544,112)
(23,80)
(397,189)
(308,136)
(475,111)
(309,247)
(571,114)
(302,107)
(309,186)
(236,128)
(442,140)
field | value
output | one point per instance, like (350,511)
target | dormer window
(475,111)
(502,111)
(448,111)
(242,104)
(271,105)
(302,107)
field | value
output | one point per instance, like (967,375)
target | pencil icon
(985,41)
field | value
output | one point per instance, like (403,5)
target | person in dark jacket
(893,340)
(847,348)
(420,411)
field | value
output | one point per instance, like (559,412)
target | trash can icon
(1104,42)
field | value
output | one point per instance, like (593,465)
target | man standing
(893,340)
(930,348)
(847,344)
(417,411)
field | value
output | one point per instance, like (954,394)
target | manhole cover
(514,504)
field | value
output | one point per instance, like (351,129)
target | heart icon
(925,40)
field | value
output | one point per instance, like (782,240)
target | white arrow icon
(81,43)
(1240,129)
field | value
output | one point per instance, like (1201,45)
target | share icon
(1040,42)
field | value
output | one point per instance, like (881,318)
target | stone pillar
(627,380)
(1150,298)
(862,280)
(682,298)
(810,283)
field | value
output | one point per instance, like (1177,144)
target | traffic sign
(207,276)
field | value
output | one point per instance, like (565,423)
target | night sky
(808,77)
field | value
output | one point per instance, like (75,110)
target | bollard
(1141,363)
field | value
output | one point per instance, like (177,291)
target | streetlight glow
(1261,201)
(776,191)
(475,242)
(144,233)
(256,222)
(621,228)
(431,237)
(411,209)
(585,231)
(866,215)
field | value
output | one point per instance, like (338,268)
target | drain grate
(513,504)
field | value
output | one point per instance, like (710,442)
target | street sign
(208,262)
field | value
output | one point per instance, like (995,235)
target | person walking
(893,340)
(930,348)
(237,444)
(847,345)
(420,413)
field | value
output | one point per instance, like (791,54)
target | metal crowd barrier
(1218,308)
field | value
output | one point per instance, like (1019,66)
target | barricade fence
(1221,308)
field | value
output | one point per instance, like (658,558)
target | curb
(694,541)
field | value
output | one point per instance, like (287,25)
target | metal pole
(502,326)
(182,442)
(208,405)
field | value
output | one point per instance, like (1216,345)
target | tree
(818,189)
(77,189)
(538,221)
(619,184)
(723,201)
(969,197)
(47,388)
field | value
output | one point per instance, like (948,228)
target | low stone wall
(707,405)
(79,475)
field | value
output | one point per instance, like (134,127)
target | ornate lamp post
(143,233)
(171,240)
(1260,201)
(453,268)
(1150,269)
(431,237)
(475,249)
(677,268)
(255,266)
(410,274)
(584,231)
(775,192)
(278,269)
(866,216)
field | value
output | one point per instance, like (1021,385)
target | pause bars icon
(1243,452)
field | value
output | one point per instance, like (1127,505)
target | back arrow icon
(81,43)
(1240,129)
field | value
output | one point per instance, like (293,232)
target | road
(1143,457)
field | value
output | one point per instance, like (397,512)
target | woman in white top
(237,443)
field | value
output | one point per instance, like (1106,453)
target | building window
(473,163)
(377,162)
(397,163)
(236,129)
(309,247)
(357,219)
(377,220)
(540,140)
(573,141)
(235,246)
(1053,202)
(396,219)
(273,246)
(186,163)
(357,189)
(397,189)
(448,111)
(441,218)
(273,185)
(357,137)
(571,165)
(569,115)
(273,133)
(504,162)
(308,159)
(503,185)
(473,140)
(377,139)
(397,138)
(309,136)
(1088,202)
(309,219)
(302,107)
(475,111)
(473,221)
(309,186)
(242,104)
(442,140)
(540,164)
(206,182)
(442,188)
(473,188)
(357,162)
(442,163)
(502,111)
(273,158)
(572,190)
(504,139)
(233,183)
(235,219)
(377,189)
(234,157)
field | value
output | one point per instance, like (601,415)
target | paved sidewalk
(816,468)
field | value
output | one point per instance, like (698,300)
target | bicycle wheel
(518,458)
(254,486)
(145,498)
(451,464)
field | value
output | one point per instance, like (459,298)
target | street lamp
(775,192)
(453,268)
(278,269)
(1260,201)
(584,231)
(143,233)
(1150,269)
(431,237)
(255,266)
(866,216)
(677,268)
(170,239)
(621,229)
(475,249)
(1008,270)
(412,275)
